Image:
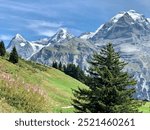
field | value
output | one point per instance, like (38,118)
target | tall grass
(25,99)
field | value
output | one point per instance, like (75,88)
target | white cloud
(17,6)
(43,24)
(29,7)
(47,33)
(43,28)
(5,37)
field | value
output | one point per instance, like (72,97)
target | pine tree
(14,56)
(60,66)
(2,49)
(70,70)
(55,65)
(75,72)
(110,88)
(64,68)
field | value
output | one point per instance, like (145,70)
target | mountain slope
(57,86)
(75,51)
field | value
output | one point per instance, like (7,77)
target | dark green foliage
(110,88)
(64,68)
(55,65)
(75,72)
(60,66)
(14,56)
(71,70)
(2,48)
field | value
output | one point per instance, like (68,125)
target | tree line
(13,57)
(71,70)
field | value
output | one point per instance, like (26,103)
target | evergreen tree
(55,65)
(75,72)
(14,56)
(2,49)
(64,68)
(70,70)
(110,88)
(60,66)
(80,74)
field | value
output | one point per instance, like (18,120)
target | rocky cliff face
(75,51)
(128,31)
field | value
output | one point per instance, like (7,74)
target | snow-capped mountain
(24,48)
(17,39)
(27,49)
(124,25)
(61,35)
(129,32)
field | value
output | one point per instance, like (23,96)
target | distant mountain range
(129,32)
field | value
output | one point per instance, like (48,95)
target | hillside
(18,81)
(145,108)
(55,86)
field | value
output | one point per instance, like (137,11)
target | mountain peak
(117,17)
(136,16)
(124,24)
(19,37)
(61,35)
(132,13)
(65,30)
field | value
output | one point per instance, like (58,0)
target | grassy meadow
(28,81)
(30,87)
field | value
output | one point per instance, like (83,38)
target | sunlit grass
(56,85)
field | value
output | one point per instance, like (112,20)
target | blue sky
(35,19)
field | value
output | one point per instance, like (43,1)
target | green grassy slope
(54,84)
(145,108)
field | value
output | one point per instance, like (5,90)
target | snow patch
(136,16)
(98,29)
(117,17)
(87,35)
(148,20)
(22,44)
